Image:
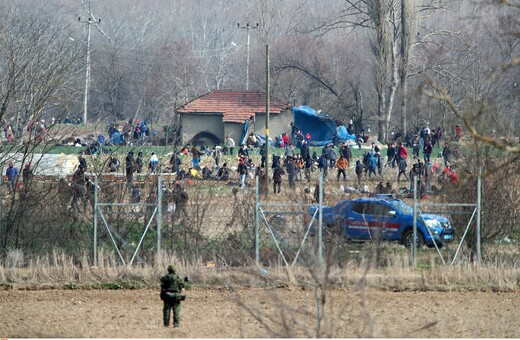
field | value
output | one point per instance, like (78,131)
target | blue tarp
(321,127)
(343,134)
(262,140)
(244,132)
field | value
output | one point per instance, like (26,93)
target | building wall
(278,123)
(192,124)
(233,130)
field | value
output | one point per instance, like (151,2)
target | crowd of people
(296,161)
(135,132)
(33,129)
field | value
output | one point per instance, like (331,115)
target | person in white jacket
(153,165)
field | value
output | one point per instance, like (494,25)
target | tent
(261,139)
(60,165)
(322,128)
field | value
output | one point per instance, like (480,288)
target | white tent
(42,164)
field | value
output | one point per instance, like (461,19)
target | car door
(382,221)
(357,224)
(340,212)
(372,220)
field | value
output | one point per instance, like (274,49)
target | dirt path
(214,313)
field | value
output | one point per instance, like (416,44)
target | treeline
(383,63)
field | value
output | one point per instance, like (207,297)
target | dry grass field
(373,293)
(65,300)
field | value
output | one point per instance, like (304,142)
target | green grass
(161,151)
(118,150)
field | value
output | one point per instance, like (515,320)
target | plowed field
(216,313)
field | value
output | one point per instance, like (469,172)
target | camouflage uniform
(171,287)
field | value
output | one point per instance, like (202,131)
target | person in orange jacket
(342,165)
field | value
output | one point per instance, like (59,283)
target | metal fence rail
(157,215)
(137,221)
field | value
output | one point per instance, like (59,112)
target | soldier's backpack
(174,297)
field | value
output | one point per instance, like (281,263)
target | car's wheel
(408,239)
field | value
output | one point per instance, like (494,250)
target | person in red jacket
(453,177)
(458,132)
(403,152)
(286,140)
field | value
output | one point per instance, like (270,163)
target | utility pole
(267,108)
(247,27)
(87,68)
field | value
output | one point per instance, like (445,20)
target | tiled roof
(235,106)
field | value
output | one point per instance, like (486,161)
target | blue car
(384,218)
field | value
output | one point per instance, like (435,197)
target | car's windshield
(402,207)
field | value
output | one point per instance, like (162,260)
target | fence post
(479,203)
(320,220)
(414,245)
(95,217)
(1,195)
(257,221)
(159,216)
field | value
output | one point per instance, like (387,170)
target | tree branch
(443,95)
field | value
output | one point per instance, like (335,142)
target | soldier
(171,288)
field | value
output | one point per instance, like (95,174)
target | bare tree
(41,64)
(39,61)
(408,32)
(485,91)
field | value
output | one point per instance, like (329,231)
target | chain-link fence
(208,220)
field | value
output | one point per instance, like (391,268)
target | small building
(209,118)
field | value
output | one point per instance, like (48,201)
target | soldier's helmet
(171,269)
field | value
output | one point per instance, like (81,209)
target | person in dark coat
(176,162)
(360,171)
(305,150)
(242,172)
(139,162)
(390,155)
(291,173)
(130,167)
(277,178)
(346,152)
(78,187)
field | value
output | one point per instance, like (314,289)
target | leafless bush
(500,195)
